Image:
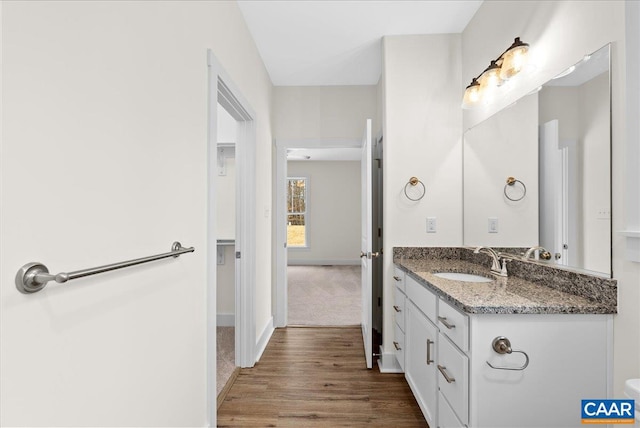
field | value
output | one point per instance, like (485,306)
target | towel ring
(511,181)
(414,181)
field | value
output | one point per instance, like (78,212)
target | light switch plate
(431,225)
(493,224)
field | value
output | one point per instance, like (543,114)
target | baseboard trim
(387,363)
(323,262)
(225,320)
(261,344)
(227,387)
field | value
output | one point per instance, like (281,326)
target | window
(296,212)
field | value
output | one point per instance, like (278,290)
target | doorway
(374,294)
(323,236)
(223,94)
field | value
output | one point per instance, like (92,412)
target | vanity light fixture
(507,65)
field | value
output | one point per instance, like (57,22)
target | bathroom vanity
(521,350)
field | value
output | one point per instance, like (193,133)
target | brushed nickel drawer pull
(429,343)
(397,345)
(397,278)
(397,309)
(444,321)
(443,370)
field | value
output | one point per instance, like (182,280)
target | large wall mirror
(538,173)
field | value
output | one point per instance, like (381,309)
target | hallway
(310,376)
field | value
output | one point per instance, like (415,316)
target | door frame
(279,295)
(222,90)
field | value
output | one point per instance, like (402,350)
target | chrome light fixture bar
(507,65)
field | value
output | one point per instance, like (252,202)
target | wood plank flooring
(316,376)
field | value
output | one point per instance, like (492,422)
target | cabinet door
(420,365)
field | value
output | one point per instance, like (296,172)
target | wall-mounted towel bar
(32,277)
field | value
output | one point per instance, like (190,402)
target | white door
(366,255)
(553,193)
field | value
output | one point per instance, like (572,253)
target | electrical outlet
(493,224)
(431,225)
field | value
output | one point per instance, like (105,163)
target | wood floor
(316,376)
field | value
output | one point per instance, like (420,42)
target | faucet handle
(503,271)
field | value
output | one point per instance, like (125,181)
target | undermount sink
(464,277)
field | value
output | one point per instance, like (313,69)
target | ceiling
(329,42)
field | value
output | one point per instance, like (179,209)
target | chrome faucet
(496,268)
(543,253)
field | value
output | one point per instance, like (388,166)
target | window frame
(305,213)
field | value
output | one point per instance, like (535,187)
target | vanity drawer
(399,279)
(454,324)
(455,365)
(424,299)
(399,308)
(447,418)
(398,346)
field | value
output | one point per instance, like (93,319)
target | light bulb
(490,78)
(514,59)
(472,94)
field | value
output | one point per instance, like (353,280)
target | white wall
(560,33)
(322,112)
(333,216)
(104,148)
(505,145)
(422,138)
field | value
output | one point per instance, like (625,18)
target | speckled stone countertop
(530,289)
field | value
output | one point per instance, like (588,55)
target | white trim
(334,262)
(262,343)
(609,339)
(279,293)
(212,154)
(630,187)
(632,246)
(226,320)
(388,363)
(222,90)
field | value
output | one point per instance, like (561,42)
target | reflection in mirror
(556,144)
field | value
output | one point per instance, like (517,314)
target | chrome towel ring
(414,181)
(511,181)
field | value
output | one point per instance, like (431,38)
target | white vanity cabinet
(400,316)
(420,357)
(556,360)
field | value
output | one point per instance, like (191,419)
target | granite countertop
(510,295)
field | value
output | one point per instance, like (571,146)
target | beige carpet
(225,353)
(324,295)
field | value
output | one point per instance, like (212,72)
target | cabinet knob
(397,309)
(397,345)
